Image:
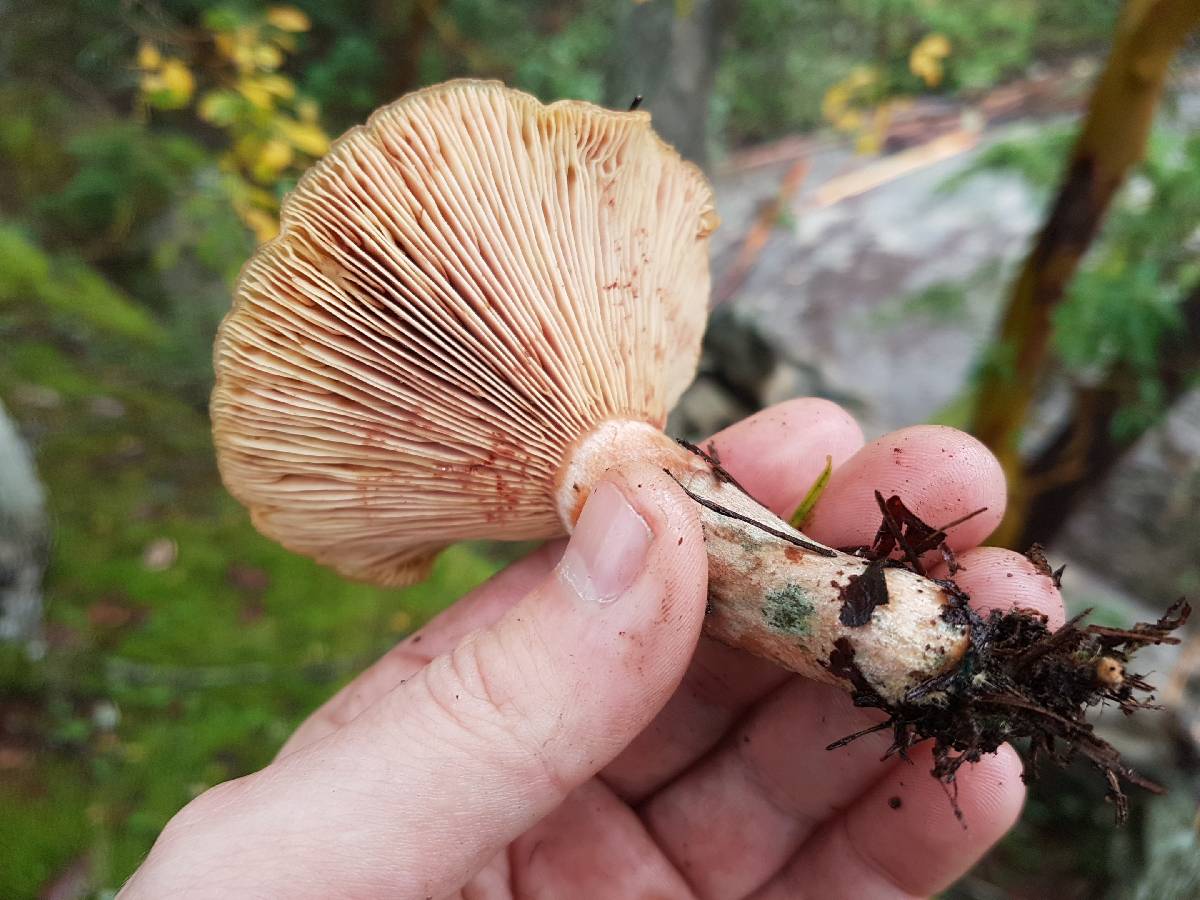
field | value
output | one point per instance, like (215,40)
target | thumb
(429,783)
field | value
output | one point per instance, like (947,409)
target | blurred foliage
(145,146)
(851,62)
(65,290)
(272,130)
(1125,300)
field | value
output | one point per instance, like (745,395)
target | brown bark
(668,52)
(1112,140)
(404,28)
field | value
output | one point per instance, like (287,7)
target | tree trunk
(403,28)
(1085,450)
(1111,142)
(667,53)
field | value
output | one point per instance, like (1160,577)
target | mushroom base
(898,641)
(774,592)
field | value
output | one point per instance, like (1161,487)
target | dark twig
(732,514)
(711,457)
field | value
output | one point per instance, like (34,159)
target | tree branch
(1112,140)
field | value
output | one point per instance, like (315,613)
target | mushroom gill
(460,290)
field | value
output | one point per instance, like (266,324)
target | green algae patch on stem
(788,610)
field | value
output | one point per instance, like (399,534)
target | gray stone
(704,409)
(858,291)
(1142,526)
(24,538)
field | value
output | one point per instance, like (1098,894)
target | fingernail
(607,548)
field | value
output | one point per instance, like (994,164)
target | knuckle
(203,809)
(499,706)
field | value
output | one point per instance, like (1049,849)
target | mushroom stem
(776,593)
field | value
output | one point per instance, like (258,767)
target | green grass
(159,681)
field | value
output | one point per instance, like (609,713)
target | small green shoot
(804,510)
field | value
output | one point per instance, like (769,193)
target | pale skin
(564,731)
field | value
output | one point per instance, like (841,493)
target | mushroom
(476,305)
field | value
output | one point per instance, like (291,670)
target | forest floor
(181,647)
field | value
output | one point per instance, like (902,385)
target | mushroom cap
(460,291)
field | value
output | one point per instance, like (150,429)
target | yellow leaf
(238,47)
(925,60)
(247,149)
(835,101)
(278,85)
(288,18)
(243,57)
(304,136)
(861,77)
(285,42)
(263,224)
(936,44)
(254,91)
(307,110)
(867,144)
(178,79)
(226,44)
(268,57)
(260,198)
(170,87)
(928,69)
(274,157)
(850,120)
(219,108)
(148,57)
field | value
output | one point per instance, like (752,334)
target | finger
(731,822)
(940,473)
(995,578)
(902,839)
(781,783)
(427,784)
(779,453)
(776,455)
(477,609)
(592,846)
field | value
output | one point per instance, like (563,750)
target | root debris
(1018,680)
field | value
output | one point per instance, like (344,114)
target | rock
(1142,525)
(104,407)
(737,353)
(24,538)
(37,396)
(160,554)
(1172,848)
(704,409)
(861,291)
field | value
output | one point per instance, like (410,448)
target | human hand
(564,731)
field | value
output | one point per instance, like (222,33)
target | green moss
(68,289)
(788,610)
(209,661)
(43,823)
